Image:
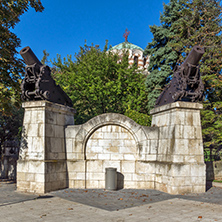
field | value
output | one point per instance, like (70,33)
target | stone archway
(109,140)
(110,146)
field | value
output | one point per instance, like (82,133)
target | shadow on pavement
(107,200)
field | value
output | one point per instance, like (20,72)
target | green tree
(197,22)
(163,57)
(200,24)
(10,127)
(11,68)
(97,83)
(44,59)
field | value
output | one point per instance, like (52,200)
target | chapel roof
(126,45)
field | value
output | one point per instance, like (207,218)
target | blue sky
(65,25)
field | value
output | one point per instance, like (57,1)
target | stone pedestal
(42,164)
(180,164)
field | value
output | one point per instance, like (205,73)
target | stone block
(130,143)
(128,150)
(36,167)
(92,143)
(141,135)
(130,184)
(92,184)
(37,145)
(80,176)
(77,146)
(41,130)
(71,131)
(178,158)
(102,156)
(198,170)
(79,184)
(22,166)
(57,145)
(50,117)
(145,185)
(198,132)
(105,143)
(138,177)
(194,159)
(127,167)
(180,189)
(60,119)
(94,149)
(181,147)
(199,189)
(130,157)
(27,117)
(95,166)
(153,146)
(38,116)
(23,184)
(198,181)
(111,135)
(101,184)
(92,156)
(151,157)
(21,176)
(32,130)
(177,117)
(59,131)
(77,166)
(180,169)
(69,145)
(72,175)
(189,132)
(128,176)
(39,178)
(196,118)
(97,135)
(95,176)
(114,156)
(27,176)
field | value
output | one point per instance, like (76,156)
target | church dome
(126,45)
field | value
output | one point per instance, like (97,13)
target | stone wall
(180,164)
(42,164)
(167,156)
(111,140)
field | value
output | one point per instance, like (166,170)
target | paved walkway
(100,205)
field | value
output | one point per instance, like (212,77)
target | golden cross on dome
(126,34)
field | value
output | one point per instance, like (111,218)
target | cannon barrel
(194,57)
(186,84)
(29,56)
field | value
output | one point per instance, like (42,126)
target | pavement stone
(111,206)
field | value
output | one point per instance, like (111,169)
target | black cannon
(186,84)
(38,83)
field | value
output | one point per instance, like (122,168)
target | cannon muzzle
(29,56)
(194,57)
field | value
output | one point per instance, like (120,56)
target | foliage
(186,23)
(200,24)
(10,126)
(140,118)
(163,57)
(97,83)
(11,68)
(44,59)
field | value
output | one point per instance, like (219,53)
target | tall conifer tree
(195,22)
(163,57)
